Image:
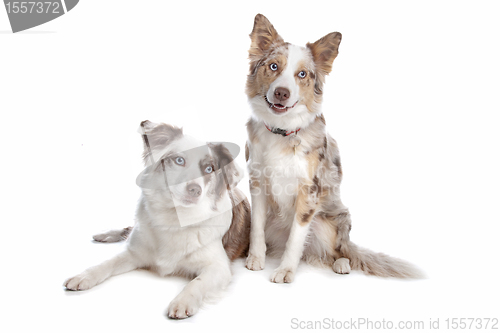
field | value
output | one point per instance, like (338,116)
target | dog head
(285,83)
(186,171)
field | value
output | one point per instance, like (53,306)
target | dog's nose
(281,93)
(194,190)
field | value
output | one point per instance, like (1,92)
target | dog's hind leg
(122,263)
(330,231)
(342,223)
(113,236)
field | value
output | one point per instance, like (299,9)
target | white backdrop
(413,101)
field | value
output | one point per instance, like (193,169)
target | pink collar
(280,131)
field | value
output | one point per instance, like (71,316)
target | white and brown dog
(294,165)
(190,220)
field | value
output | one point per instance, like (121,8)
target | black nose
(194,190)
(281,93)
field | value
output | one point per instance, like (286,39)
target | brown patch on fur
(316,183)
(332,156)
(203,164)
(306,84)
(312,163)
(263,37)
(336,161)
(237,239)
(224,169)
(266,47)
(269,74)
(321,118)
(247,152)
(158,136)
(324,51)
(322,151)
(307,216)
(125,232)
(254,183)
(262,76)
(306,204)
(272,204)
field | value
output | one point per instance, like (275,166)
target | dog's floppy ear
(324,51)
(228,172)
(157,136)
(263,36)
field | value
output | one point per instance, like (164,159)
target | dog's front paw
(182,307)
(283,275)
(80,282)
(255,263)
(341,266)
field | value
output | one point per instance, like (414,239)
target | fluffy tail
(113,236)
(380,264)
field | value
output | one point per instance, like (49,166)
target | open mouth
(279,108)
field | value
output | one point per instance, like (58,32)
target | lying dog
(294,165)
(190,219)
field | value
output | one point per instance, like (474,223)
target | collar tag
(281,131)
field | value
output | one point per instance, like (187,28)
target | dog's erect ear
(325,50)
(227,169)
(157,136)
(263,36)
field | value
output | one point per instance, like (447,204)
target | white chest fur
(279,170)
(163,244)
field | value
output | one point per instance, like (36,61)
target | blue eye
(302,74)
(209,169)
(179,160)
(273,67)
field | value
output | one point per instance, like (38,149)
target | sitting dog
(294,165)
(190,219)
